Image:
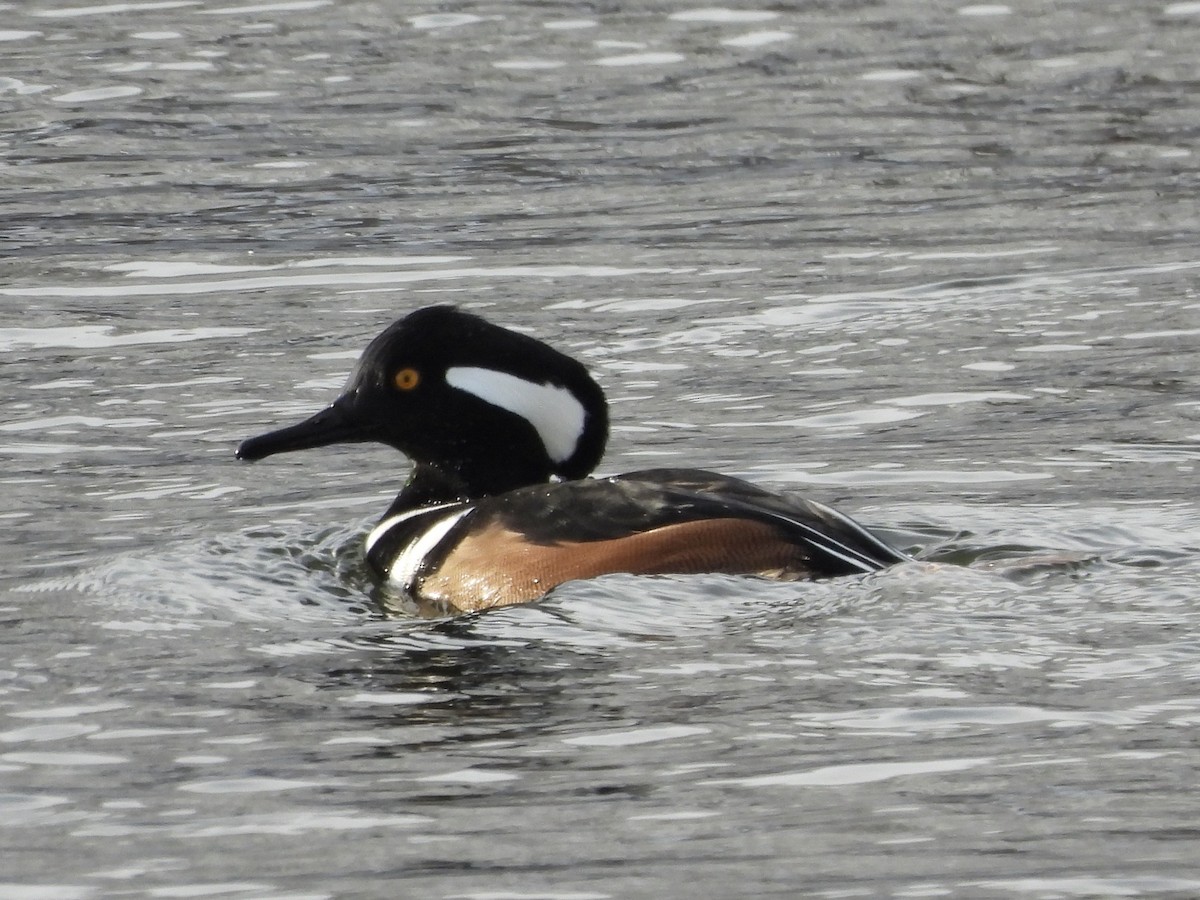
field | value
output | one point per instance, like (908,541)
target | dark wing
(611,508)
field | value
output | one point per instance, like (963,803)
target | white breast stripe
(404,570)
(554,412)
(383,527)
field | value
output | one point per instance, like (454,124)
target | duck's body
(503,431)
(515,547)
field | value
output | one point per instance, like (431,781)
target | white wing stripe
(846,554)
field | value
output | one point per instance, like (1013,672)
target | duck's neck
(431,485)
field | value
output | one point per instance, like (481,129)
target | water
(933,263)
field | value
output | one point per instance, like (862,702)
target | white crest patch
(554,412)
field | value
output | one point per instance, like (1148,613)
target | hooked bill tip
(246,451)
(331,425)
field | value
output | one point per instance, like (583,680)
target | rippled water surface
(934,263)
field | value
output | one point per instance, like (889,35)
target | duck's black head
(479,409)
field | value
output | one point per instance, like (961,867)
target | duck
(500,506)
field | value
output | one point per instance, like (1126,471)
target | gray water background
(934,263)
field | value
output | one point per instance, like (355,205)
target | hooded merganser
(502,431)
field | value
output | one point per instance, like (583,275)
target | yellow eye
(406,379)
